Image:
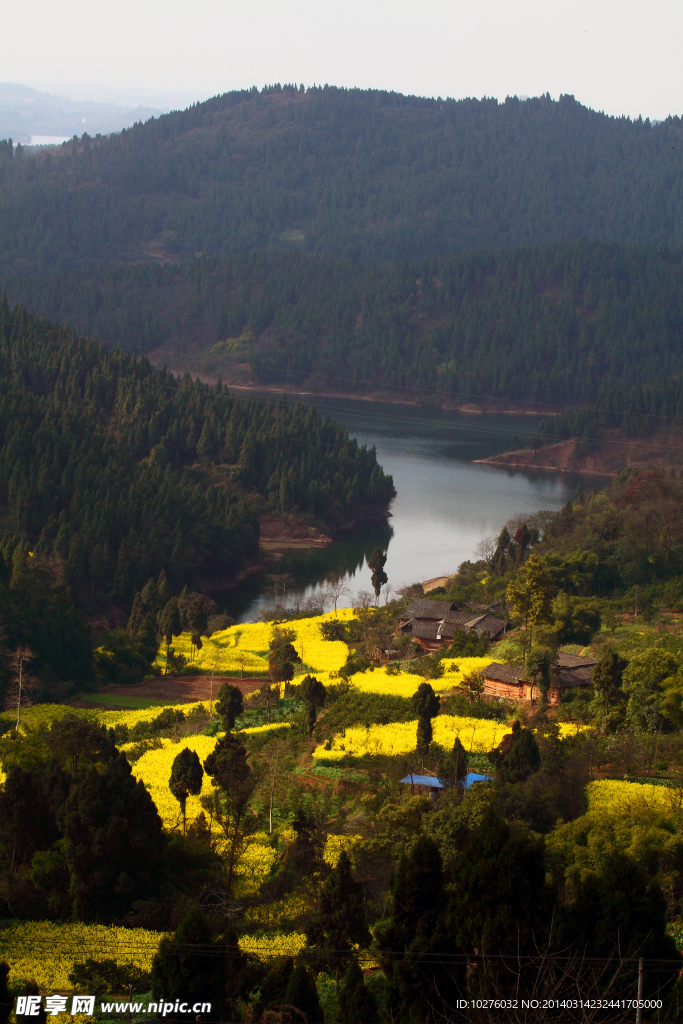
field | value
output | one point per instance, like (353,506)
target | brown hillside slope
(607,455)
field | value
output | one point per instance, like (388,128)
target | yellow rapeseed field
(404,684)
(274,945)
(154,769)
(476,735)
(243,649)
(46,951)
(132,716)
(612,795)
(254,865)
(279,913)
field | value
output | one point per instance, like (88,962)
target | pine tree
(302,993)
(113,841)
(232,778)
(518,755)
(169,621)
(282,657)
(274,984)
(416,948)
(356,1002)
(454,767)
(313,694)
(426,704)
(227,764)
(340,922)
(607,684)
(28,805)
(186,778)
(187,965)
(376,562)
(497,901)
(229,705)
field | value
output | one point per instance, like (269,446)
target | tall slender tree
(340,923)
(186,778)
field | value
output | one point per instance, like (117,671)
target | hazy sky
(614,55)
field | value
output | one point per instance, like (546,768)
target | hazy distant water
(444,506)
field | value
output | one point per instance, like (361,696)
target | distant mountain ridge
(366,175)
(26,112)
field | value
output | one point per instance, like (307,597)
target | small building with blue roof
(432,786)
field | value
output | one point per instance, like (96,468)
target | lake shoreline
(468,408)
(609,453)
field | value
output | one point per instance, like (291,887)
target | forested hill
(367,175)
(560,323)
(111,470)
(636,412)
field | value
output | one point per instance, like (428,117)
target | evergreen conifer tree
(376,562)
(426,704)
(229,705)
(302,993)
(227,764)
(313,694)
(187,965)
(113,841)
(356,1002)
(282,657)
(186,778)
(417,949)
(607,684)
(520,757)
(340,922)
(497,898)
(454,768)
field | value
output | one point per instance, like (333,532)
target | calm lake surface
(444,506)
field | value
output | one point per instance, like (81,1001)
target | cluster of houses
(432,624)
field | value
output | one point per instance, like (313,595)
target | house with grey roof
(432,624)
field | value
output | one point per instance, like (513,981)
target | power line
(213,951)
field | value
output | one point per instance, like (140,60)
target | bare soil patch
(176,689)
(611,453)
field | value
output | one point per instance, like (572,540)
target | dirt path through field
(174,689)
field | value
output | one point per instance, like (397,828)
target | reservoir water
(445,502)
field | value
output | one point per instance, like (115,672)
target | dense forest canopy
(645,409)
(111,470)
(367,175)
(563,322)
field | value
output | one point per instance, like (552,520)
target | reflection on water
(445,503)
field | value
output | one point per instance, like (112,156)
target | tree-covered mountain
(111,470)
(367,175)
(637,412)
(560,323)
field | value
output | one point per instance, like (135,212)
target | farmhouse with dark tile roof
(432,624)
(510,681)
